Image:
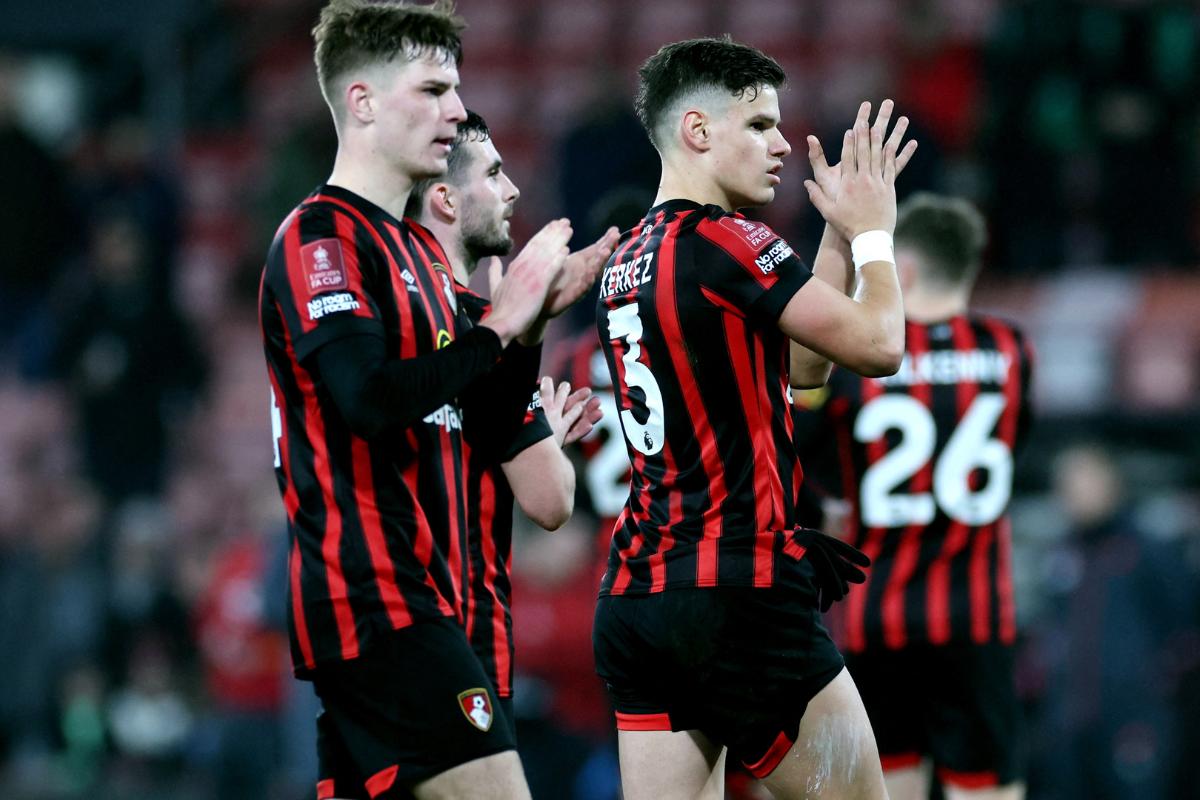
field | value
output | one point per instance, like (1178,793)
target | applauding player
(927,460)
(467,209)
(380,382)
(708,631)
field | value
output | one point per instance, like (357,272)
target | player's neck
(381,186)
(683,182)
(921,306)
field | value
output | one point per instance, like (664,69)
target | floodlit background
(148,149)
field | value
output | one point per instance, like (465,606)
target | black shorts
(955,704)
(416,705)
(738,664)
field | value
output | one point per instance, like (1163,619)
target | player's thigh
(670,765)
(834,756)
(974,719)
(893,688)
(415,705)
(908,783)
(495,777)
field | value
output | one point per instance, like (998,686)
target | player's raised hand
(571,415)
(868,167)
(592,413)
(518,296)
(579,273)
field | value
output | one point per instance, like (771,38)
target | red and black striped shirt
(688,321)
(376,525)
(490,502)
(926,459)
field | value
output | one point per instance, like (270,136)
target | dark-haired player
(708,631)
(380,387)
(926,460)
(467,209)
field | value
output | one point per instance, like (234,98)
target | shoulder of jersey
(742,238)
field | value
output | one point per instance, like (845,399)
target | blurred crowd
(142,540)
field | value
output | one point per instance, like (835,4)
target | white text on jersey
(625,276)
(951,366)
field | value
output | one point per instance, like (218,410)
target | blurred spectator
(563,719)
(1123,604)
(241,653)
(36,227)
(126,354)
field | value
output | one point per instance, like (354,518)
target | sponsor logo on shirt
(323,267)
(447,417)
(771,259)
(410,281)
(331,304)
(443,338)
(754,233)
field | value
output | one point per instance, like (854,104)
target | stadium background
(147,151)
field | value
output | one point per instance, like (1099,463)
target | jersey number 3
(647,438)
(970,448)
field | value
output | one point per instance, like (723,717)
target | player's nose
(453,107)
(782,147)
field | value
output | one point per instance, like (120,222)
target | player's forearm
(494,406)
(833,264)
(881,319)
(543,482)
(374,393)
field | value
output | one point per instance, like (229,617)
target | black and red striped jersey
(688,321)
(926,459)
(376,525)
(487,612)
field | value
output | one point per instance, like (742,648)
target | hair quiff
(681,68)
(948,233)
(351,34)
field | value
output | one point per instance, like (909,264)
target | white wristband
(872,246)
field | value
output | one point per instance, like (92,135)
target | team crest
(476,706)
(447,286)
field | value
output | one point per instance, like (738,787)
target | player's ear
(444,202)
(696,131)
(360,101)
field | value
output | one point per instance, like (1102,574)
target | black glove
(835,564)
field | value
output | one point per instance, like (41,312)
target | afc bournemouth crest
(476,705)
(448,290)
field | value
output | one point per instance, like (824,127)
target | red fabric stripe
(295,272)
(908,552)
(643,722)
(291,502)
(968,780)
(856,599)
(763,444)
(423,540)
(899,761)
(299,622)
(979,568)
(381,781)
(487,524)
(666,540)
(665,299)
(332,538)
(346,234)
(381,559)
(325,790)
(1007,612)
(937,584)
(738,248)
(630,514)
(772,758)
(979,572)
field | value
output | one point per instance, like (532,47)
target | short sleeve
(320,273)
(747,265)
